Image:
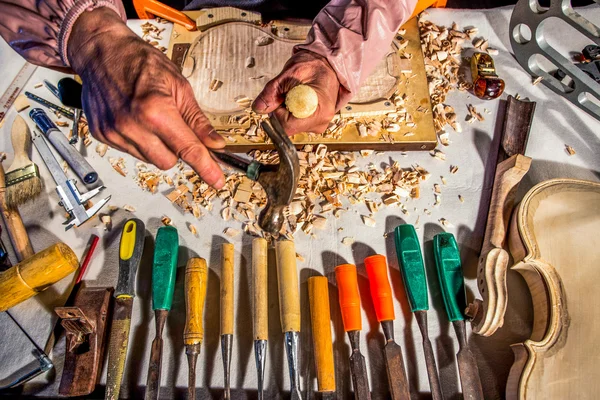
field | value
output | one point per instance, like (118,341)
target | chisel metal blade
(394,363)
(358,369)
(467,365)
(153,381)
(117,350)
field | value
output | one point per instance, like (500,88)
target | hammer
(279,181)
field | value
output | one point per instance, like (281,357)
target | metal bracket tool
(532,50)
(70,197)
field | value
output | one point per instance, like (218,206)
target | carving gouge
(196,275)
(260,309)
(381,293)
(130,254)
(412,268)
(349,297)
(227,312)
(289,308)
(449,269)
(318,295)
(164,269)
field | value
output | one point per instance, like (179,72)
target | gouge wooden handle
(227,289)
(287,281)
(260,289)
(318,295)
(21,142)
(196,274)
(14,224)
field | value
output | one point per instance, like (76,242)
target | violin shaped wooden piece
(555,244)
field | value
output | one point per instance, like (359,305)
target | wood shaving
(101,149)
(61,124)
(348,241)
(445,222)
(129,208)
(473,114)
(368,221)
(453,169)
(215,84)
(231,232)
(570,151)
(299,258)
(107,221)
(263,41)
(250,62)
(166,221)
(436,153)
(461,199)
(192,229)
(118,165)
(537,80)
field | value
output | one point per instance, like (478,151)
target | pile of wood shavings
(329,182)
(152,34)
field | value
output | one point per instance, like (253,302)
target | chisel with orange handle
(381,293)
(349,297)
(196,275)
(318,296)
(289,308)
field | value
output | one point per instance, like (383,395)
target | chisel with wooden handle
(412,268)
(227,313)
(289,308)
(260,308)
(196,274)
(449,269)
(381,293)
(349,297)
(320,319)
(131,249)
(164,269)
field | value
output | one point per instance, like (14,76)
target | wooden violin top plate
(556,242)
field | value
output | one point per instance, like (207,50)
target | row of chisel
(410,260)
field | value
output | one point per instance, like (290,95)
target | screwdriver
(320,318)
(196,275)
(227,312)
(381,293)
(260,309)
(131,249)
(289,308)
(349,297)
(449,269)
(412,268)
(164,269)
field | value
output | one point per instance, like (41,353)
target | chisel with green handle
(412,268)
(131,249)
(449,270)
(164,268)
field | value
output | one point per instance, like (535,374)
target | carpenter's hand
(306,68)
(136,100)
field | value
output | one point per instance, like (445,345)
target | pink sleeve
(353,35)
(39,29)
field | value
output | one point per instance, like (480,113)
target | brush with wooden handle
(23,181)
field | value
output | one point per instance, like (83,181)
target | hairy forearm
(353,35)
(39,30)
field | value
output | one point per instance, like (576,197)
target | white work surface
(556,123)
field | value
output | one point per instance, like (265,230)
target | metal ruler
(15,88)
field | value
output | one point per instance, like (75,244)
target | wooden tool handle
(260,289)
(287,283)
(35,274)
(196,274)
(318,295)
(227,289)
(14,224)
(21,142)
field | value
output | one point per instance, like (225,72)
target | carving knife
(320,318)
(130,254)
(227,290)
(449,269)
(289,308)
(164,269)
(349,297)
(412,268)
(381,293)
(260,308)
(196,274)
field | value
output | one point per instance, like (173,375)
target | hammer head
(279,182)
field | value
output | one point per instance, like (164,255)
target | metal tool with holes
(530,45)
(279,181)
(70,197)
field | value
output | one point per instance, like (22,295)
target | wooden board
(554,240)
(219,51)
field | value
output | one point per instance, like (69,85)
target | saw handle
(164,267)
(349,297)
(260,289)
(131,249)
(196,275)
(287,279)
(410,260)
(381,291)
(227,289)
(320,318)
(449,269)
